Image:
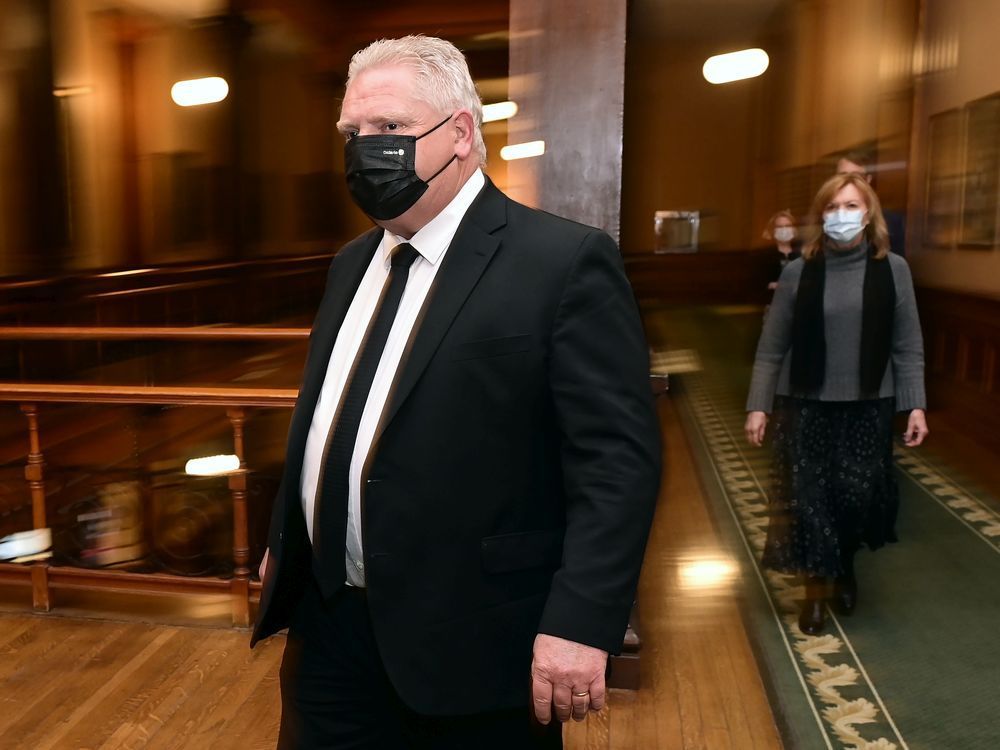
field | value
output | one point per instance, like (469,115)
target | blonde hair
(441,74)
(876,231)
(782,214)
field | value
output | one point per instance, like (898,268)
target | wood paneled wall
(713,278)
(962,343)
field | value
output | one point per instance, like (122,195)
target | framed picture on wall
(945,167)
(981,179)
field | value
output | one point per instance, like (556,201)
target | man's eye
(348,135)
(391,126)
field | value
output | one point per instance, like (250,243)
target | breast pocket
(495,347)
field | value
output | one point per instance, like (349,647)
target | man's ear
(464,129)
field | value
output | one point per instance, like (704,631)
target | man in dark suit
(474,457)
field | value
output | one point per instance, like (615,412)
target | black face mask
(381,174)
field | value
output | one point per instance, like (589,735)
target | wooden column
(240,587)
(567,75)
(34,473)
(35,213)
(129,35)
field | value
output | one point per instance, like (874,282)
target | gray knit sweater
(842,305)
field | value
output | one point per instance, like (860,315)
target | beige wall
(957,50)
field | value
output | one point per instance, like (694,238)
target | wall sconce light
(199,91)
(64,91)
(735,66)
(499,111)
(522,150)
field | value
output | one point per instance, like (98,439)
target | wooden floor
(700,687)
(69,683)
(81,683)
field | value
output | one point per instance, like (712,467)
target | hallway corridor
(916,665)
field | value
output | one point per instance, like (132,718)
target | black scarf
(809,337)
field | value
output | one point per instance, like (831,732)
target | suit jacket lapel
(468,255)
(336,300)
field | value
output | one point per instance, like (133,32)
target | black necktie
(330,530)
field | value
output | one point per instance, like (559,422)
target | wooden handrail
(177,286)
(12,283)
(156,333)
(146,394)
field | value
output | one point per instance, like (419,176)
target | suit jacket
(512,484)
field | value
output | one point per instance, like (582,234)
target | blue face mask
(784,234)
(844,224)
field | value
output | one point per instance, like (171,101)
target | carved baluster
(34,473)
(241,545)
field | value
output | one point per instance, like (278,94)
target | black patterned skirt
(833,483)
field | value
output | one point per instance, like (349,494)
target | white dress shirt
(431,242)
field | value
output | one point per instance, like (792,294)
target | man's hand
(567,678)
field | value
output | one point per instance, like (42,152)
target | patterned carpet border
(952,495)
(853,714)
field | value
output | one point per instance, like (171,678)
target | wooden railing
(41,575)
(257,290)
(162,333)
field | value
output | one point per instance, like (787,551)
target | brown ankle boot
(845,587)
(845,595)
(812,616)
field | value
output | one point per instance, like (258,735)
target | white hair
(442,75)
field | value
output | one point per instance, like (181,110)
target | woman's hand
(916,429)
(756,426)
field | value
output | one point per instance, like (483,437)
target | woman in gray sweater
(840,353)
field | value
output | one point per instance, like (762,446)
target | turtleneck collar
(837,258)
